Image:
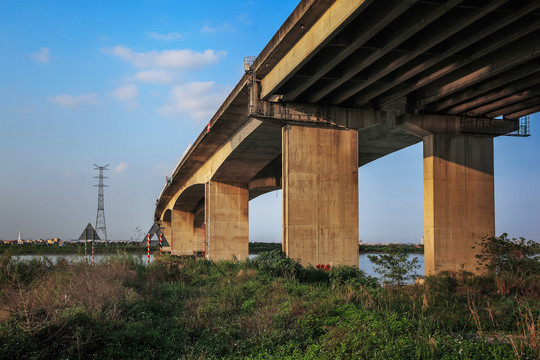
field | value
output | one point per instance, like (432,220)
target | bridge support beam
(320,195)
(458,200)
(227,223)
(186,239)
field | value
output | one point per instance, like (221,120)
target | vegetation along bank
(269,308)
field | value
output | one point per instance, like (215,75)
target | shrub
(349,274)
(504,256)
(276,263)
(395,267)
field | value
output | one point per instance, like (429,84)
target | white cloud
(244,18)
(169,36)
(168,59)
(120,168)
(198,99)
(127,94)
(207,29)
(75,102)
(154,76)
(43,55)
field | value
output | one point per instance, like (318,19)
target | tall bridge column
(167,228)
(458,200)
(184,235)
(320,195)
(226,214)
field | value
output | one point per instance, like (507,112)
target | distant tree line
(70,248)
(257,247)
(112,247)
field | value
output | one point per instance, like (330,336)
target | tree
(395,266)
(504,256)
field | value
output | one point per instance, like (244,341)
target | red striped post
(85,257)
(148,238)
(161,243)
(92,253)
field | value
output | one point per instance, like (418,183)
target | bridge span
(343,83)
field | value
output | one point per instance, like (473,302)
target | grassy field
(270,308)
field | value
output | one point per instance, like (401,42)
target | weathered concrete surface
(186,239)
(227,223)
(332,20)
(166,231)
(320,195)
(458,200)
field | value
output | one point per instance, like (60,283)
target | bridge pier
(227,223)
(458,200)
(320,195)
(186,239)
(167,229)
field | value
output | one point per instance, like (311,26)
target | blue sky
(131,84)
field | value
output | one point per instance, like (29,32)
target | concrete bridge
(343,83)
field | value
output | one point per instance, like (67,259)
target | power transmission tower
(100,217)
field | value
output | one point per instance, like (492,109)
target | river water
(364,263)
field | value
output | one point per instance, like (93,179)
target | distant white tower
(19,241)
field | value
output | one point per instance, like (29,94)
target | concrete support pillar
(320,195)
(166,233)
(458,200)
(185,238)
(227,222)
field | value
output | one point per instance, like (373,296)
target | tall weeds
(187,308)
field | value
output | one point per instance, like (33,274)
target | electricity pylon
(100,217)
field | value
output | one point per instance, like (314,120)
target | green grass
(197,309)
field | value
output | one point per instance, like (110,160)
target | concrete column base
(186,240)
(459,205)
(320,195)
(227,222)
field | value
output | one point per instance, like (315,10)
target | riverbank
(257,247)
(75,248)
(192,309)
(112,248)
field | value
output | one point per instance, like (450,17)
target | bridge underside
(344,83)
(455,57)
